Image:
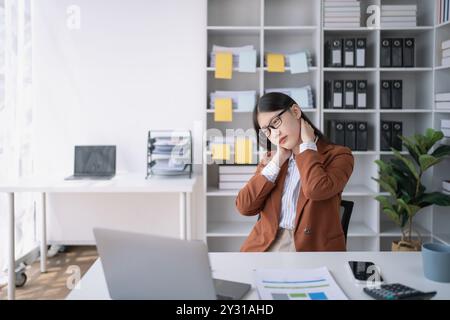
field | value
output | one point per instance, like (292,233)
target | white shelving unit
(289,26)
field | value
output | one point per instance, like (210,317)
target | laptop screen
(95,160)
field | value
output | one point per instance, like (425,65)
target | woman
(297,189)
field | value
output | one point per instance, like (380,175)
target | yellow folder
(221,151)
(223,110)
(275,62)
(224,65)
(243,149)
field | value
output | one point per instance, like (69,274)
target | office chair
(346,214)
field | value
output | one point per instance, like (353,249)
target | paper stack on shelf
(241,100)
(443,10)
(298,62)
(169,153)
(235,177)
(303,96)
(244,58)
(442,100)
(446,187)
(342,14)
(399,16)
(445,53)
(445,127)
(233,149)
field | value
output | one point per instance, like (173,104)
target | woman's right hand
(279,157)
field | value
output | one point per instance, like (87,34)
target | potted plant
(401,177)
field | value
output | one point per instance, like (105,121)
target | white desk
(401,267)
(121,183)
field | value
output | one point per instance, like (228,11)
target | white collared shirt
(292,184)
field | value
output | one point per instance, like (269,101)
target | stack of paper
(234,177)
(243,58)
(446,187)
(298,62)
(240,100)
(445,47)
(442,100)
(398,16)
(302,96)
(170,154)
(297,284)
(445,127)
(342,14)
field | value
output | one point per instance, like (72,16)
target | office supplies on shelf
(234,177)
(299,62)
(223,110)
(397,94)
(408,52)
(443,11)
(442,100)
(342,14)
(303,96)
(361,47)
(362,137)
(247,61)
(336,131)
(327,90)
(445,53)
(385,54)
(445,127)
(350,94)
(224,65)
(361,99)
(243,150)
(349,53)
(385,94)
(350,134)
(390,135)
(338,93)
(275,62)
(397,53)
(241,100)
(94,163)
(169,153)
(333,53)
(297,284)
(398,16)
(238,149)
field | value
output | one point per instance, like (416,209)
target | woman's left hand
(306,131)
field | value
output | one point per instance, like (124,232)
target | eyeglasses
(274,123)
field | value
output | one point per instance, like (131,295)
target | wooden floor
(53,284)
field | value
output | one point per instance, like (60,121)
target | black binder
(361,136)
(397,130)
(350,90)
(350,134)
(349,53)
(385,94)
(338,94)
(361,52)
(397,94)
(397,53)
(361,97)
(385,56)
(335,54)
(328,101)
(336,128)
(408,52)
(386,136)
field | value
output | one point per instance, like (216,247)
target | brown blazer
(324,174)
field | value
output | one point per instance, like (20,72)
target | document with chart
(297,284)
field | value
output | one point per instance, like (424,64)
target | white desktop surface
(402,267)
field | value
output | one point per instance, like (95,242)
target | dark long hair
(277,101)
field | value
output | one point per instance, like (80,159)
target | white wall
(134,65)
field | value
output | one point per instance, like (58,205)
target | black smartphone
(364,271)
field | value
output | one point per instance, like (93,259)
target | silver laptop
(94,162)
(140,266)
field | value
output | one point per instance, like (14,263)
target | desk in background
(121,183)
(402,267)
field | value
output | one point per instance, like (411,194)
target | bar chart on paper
(297,284)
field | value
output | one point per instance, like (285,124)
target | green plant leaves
(441,151)
(436,198)
(427,161)
(409,164)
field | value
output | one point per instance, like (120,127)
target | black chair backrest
(346,214)
(347,207)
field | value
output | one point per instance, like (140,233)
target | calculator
(397,291)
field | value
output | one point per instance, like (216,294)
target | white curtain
(16,120)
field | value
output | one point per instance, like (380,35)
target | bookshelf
(293,25)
